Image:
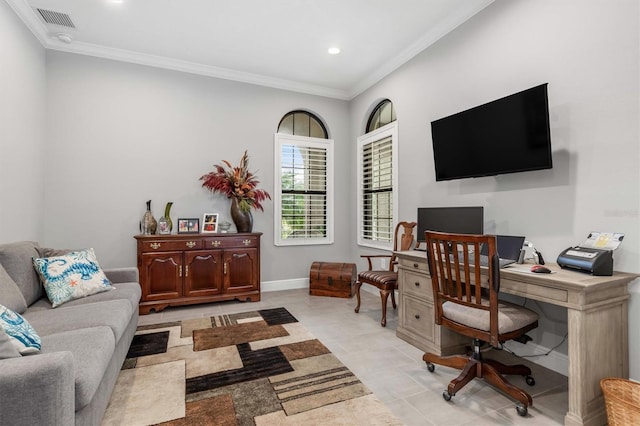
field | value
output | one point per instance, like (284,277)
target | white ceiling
(274,43)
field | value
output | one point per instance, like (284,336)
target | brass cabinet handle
(155,246)
(246,242)
(180,271)
(191,244)
(225,268)
(216,243)
(186,271)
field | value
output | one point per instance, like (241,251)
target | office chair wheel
(521,409)
(431,367)
(530,380)
(447,396)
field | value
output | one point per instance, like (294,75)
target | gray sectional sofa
(84,343)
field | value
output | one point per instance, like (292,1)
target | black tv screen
(507,135)
(456,220)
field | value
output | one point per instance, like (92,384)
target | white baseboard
(284,284)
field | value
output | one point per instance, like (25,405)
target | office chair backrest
(456,279)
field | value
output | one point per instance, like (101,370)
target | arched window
(302,123)
(304,181)
(378,176)
(382,115)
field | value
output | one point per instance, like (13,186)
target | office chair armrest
(371,256)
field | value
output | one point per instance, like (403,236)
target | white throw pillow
(71,276)
(22,335)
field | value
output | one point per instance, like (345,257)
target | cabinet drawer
(416,284)
(416,264)
(167,245)
(418,317)
(235,242)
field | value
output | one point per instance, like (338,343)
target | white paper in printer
(603,240)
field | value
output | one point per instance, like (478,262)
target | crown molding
(49,41)
(439,31)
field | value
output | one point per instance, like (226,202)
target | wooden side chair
(467,302)
(386,280)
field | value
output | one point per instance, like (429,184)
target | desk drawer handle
(417,316)
(246,242)
(417,284)
(215,243)
(155,246)
(191,244)
(415,265)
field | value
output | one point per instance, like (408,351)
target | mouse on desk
(540,269)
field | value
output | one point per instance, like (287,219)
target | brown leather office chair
(467,302)
(386,280)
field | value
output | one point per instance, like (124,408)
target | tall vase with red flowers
(240,185)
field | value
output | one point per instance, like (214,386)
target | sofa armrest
(38,389)
(122,275)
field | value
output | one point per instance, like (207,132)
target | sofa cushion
(71,276)
(7,348)
(92,349)
(115,314)
(121,291)
(10,295)
(17,260)
(22,334)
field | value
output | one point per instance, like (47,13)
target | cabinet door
(161,276)
(241,270)
(202,273)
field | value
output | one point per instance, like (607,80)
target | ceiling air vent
(56,18)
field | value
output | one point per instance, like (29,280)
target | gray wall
(120,134)
(588,53)
(22,129)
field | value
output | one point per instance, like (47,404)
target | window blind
(377,190)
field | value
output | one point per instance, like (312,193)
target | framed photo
(209,223)
(189,226)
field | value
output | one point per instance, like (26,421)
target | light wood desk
(596,314)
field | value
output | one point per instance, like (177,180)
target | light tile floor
(392,368)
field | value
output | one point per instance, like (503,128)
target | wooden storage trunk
(332,279)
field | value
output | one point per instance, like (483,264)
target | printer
(594,255)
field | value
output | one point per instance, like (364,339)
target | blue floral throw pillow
(71,276)
(22,335)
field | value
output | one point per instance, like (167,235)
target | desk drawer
(416,284)
(537,292)
(171,245)
(417,317)
(415,264)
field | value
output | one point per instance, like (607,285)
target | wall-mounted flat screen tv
(507,135)
(456,220)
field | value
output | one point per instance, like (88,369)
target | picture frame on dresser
(189,225)
(210,223)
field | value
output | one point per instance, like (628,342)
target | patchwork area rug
(253,368)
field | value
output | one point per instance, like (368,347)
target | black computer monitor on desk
(455,220)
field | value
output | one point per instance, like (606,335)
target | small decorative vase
(243,220)
(167,217)
(149,224)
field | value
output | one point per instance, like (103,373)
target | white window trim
(389,130)
(283,139)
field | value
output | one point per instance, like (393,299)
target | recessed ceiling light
(334,50)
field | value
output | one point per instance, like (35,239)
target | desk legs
(598,348)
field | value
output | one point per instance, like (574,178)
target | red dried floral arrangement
(236,182)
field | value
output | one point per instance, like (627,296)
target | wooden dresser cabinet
(197,268)
(416,316)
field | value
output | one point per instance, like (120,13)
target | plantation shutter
(377,190)
(304,192)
